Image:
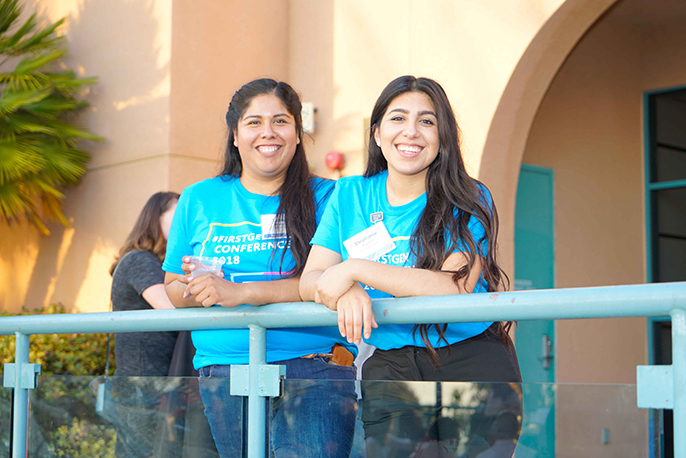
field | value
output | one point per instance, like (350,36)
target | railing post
(21,397)
(257,404)
(679,374)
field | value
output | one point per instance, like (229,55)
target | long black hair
(297,205)
(453,198)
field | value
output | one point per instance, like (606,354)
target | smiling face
(408,134)
(266,139)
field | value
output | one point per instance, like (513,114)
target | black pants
(488,410)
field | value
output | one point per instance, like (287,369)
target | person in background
(416,224)
(138,284)
(258,216)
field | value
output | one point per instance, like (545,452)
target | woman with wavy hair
(258,217)
(416,224)
(138,284)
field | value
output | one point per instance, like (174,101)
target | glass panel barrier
(164,417)
(5,420)
(83,417)
(474,420)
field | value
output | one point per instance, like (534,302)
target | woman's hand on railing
(209,290)
(332,284)
(355,314)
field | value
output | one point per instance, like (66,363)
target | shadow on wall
(115,41)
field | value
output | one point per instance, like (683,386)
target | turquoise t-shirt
(218,217)
(357,201)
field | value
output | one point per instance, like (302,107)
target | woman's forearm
(229,294)
(271,292)
(405,281)
(308,284)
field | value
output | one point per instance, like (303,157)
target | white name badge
(371,243)
(271,229)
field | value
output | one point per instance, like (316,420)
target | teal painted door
(535,340)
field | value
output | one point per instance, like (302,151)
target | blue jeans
(313,419)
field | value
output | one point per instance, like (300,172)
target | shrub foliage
(63,420)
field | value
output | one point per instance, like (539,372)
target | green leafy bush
(84,440)
(63,418)
(62,354)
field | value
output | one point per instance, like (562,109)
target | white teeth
(267,149)
(409,149)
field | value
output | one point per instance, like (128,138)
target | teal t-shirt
(218,217)
(355,205)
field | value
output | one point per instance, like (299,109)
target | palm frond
(27,82)
(38,40)
(10,101)
(54,105)
(9,12)
(11,41)
(23,123)
(19,159)
(52,206)
(32,63)
(67,81)
(14,200)
(39,147)
(63,164)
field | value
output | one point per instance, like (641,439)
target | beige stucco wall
(663,55)
(127,45)
(217,46)
(588,129)
(344,52)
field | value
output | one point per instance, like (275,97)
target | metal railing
(657,386)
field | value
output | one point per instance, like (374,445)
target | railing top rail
(657,299)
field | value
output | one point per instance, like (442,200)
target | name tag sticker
(376,217)
(271,228)
(371,243)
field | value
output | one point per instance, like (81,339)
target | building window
(666,186)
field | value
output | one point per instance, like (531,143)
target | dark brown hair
(146,234)
(450,191)
(297,196)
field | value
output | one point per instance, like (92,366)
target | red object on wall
(333,160)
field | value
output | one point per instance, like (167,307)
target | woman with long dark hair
(416,224)
(138,284)
(258,217)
